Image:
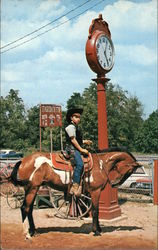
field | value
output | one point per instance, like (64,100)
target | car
(10,154)
(135,178)
(145,183)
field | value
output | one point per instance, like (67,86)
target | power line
(53,27)
(58,18)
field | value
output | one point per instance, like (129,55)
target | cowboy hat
(72,111)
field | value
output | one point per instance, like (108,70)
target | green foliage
(12,125)
(32,125)
(89,117)
(124,117)
(123,112)
(146,139)
(46,139)
(20,128)
(75,100)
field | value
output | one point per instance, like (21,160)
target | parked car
(134,180)
(8,154)
(145,183)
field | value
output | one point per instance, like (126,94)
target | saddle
(62,162)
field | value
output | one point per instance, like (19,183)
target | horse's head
(120,166)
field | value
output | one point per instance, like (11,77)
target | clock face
(105,52)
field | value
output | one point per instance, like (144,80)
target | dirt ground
(136,230)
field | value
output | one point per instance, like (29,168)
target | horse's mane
(115,149)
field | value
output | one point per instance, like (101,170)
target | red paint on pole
(102,117)
(155,182)
(108,203)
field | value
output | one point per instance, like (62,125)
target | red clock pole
(108,204)
(99,62)
(102,114)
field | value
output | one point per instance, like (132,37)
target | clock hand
(106,57)
(104,51)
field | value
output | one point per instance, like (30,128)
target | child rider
(74,146)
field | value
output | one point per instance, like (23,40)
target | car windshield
(2,152)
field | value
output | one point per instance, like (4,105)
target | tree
(146,139)
(90,117)
(32,127)
(75,100)
(124,117)
(13,117)
(123,111)
(20,128)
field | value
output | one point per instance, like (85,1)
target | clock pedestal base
(108,204)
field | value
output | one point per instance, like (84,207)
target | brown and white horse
(37,169)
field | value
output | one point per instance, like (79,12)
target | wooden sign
(50,115)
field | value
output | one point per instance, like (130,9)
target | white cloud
(131,15)
(48,9)
(46,5)
(61,56)
(53,66)
(16,27)
(11,76)
(136,54)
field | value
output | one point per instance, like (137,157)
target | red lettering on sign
(50,115)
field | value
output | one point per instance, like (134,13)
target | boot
(79,192)
(74,189)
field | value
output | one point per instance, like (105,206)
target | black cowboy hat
(72,111)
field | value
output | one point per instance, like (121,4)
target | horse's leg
(24,221)
(95,195)
(30,217)
(26,211)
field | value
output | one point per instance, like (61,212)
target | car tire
(133,185)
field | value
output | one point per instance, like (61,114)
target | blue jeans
(78,168)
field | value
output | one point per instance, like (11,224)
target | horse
(37,169)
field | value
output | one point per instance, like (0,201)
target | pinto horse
(37,169)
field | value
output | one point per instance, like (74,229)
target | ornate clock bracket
(99,24)
(98,27)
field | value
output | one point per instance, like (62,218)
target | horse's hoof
(33,232)
(97,233)
(28,236)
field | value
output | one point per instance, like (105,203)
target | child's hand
(85,151)
(87,142)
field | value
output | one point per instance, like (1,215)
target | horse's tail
(14,176)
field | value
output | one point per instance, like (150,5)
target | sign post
(50,116)
(51,141)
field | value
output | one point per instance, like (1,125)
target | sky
(49,68)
